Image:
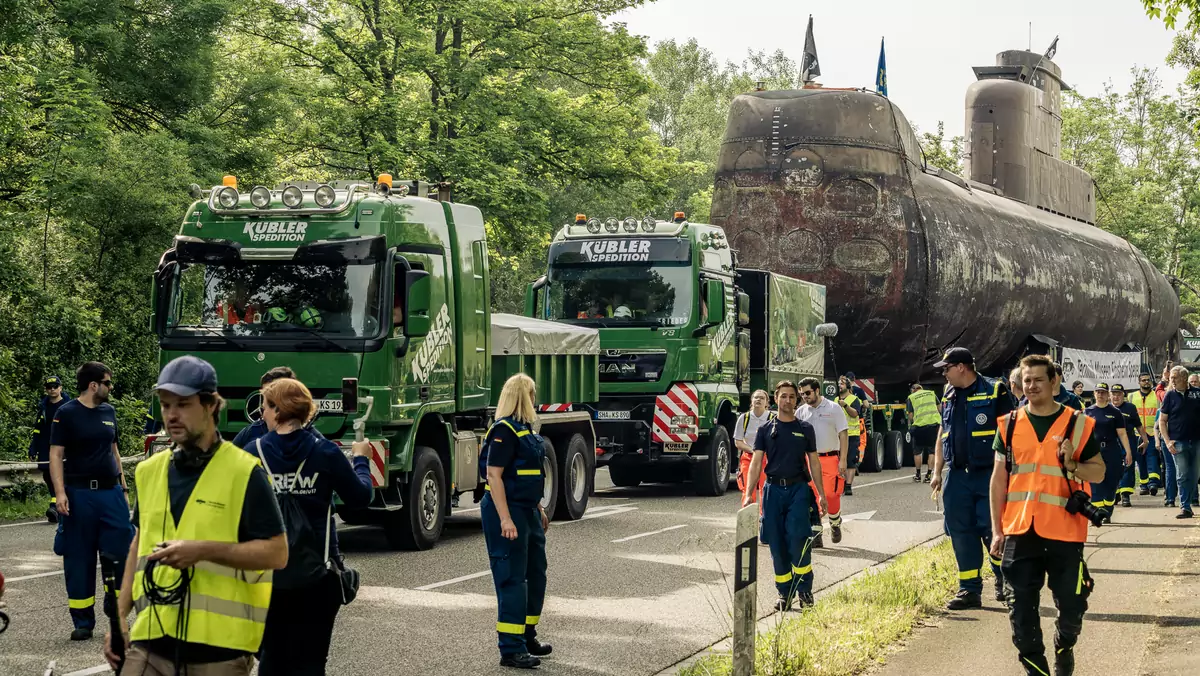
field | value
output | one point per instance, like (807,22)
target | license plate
(612,415)
(329,405)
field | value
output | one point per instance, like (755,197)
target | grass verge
(851,629)
(22,509)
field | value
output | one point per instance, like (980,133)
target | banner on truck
(794,349)
(1101,367)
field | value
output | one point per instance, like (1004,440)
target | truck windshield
(658,294)
(276,299)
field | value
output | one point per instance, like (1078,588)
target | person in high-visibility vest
(1044,451)
(744,431)
(923,421)
(1147,402)
(854,408)
(211,531)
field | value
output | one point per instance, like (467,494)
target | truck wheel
(419,524)
(908,449)
(549,476)
(577,478)
(872,457)
(712,476)
(624,476)
(893,450)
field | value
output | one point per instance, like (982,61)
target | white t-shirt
(828,419)
(746,427)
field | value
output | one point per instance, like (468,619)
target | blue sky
(931,44)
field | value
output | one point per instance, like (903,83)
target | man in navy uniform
(972,405)
(39,445)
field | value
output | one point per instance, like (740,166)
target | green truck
(377,295)
(685,335)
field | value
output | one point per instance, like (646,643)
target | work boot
(537,648)
(1184,514)
(782,604)
(805,599)
(965,599)
(817,543)
(928,475)
(519,661)
(1064,662)
(81,634)
(1168,502)
(52,514)
(1000,591)
(849,490)
(1147,491)
(837,534)
(1125,501)
(917,477)
(1153,490)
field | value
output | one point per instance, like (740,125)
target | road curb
(772,620)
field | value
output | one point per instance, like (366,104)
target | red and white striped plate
(681,400)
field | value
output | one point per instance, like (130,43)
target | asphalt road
(642,582)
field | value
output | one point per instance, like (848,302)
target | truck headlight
(610,225)
(324,196)
(630,224)
(260,197)
(228,198)
(648,224)
(683,421)
(593,225)
(292,197)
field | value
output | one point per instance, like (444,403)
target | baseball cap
(955,355)
(186,376)
(52,381)
(1100,386)
(1118,387)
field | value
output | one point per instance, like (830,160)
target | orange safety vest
(862,434)
(1037,485)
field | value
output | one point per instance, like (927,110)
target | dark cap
(850,375)
(1100,387)
(52,381)
(1118,387)
(186,376)
(955,355)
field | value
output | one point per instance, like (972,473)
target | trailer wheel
(419,524)
(624,476)
(577,479)
(550,475)
(712,475)
(872,460)
(893,456)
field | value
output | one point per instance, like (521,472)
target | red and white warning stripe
(554,408)
(868,386)
(681,400)
(378,459)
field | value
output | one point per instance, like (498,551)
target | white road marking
(31,577)
(885,481)
(653,532)
(861,516)
(23,523)
(456,580)
(596,515)
(102,669)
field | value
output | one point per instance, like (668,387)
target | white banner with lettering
(1101,367)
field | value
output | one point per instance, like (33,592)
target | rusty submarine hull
(831,186)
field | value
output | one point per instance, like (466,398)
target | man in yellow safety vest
(923,420)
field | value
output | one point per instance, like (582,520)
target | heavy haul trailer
(375,293)
(682,345)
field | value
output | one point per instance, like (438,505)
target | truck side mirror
(417,292)
(163,283)
(350,396)
(714,298)
(743,309)
(531,297)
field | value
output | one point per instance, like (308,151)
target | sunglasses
(807,393)
(106,383)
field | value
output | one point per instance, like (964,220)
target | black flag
(1053,49)
(809,66)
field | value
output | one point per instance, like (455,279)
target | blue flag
(881,74)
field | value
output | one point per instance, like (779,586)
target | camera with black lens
(1081,503)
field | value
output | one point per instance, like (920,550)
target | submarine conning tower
(1013,135)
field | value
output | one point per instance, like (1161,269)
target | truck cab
(376,293)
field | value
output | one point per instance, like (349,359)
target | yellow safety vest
(924,405)
(1147,408)
(226,607)
(852,430)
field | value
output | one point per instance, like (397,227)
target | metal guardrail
(9,470)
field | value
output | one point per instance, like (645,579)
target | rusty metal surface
(827,186)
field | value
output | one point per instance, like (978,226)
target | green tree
(942,152)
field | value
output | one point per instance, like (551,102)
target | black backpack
(307,555)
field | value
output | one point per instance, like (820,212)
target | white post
(745,590)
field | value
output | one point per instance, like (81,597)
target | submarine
(831,186)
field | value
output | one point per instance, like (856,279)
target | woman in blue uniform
(1114,448)
(514,524)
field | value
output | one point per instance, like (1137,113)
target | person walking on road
(246,436)
(1043,453)
(305,470)
(1109,432)
(1014,386)
(90,491)
(923,418)
(209,534)
(786,449)
(39,445)
(829,421)
(1179,427)
(1068,397)
(1137,439)
(972,405)
(745,430)
(514,523)
(854,408)
(1149,462)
